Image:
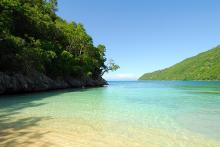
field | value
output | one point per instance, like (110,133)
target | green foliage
(205,66)
(111,66)
(34,38)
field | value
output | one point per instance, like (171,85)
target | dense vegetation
(34,38)
(205,66)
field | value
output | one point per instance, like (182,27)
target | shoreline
(181,80)
(17,83)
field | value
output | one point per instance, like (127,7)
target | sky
(146,35)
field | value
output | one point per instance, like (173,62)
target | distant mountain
(204,66)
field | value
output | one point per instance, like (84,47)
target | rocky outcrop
(19,83)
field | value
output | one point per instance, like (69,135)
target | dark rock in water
(20,83)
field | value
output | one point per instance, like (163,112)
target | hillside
(204,66)
(40,51)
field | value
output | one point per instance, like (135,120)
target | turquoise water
(138,113)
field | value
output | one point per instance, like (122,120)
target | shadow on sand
(18,131)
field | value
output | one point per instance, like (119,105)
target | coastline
(178,80)
(14,83)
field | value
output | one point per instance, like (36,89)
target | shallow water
(139,113)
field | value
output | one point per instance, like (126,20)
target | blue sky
(147,35)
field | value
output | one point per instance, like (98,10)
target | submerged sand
(68,133)
(124,114)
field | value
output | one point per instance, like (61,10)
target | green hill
(41,51)
(204,66)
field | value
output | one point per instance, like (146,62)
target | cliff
(11,83)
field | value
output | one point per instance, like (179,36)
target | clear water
(139,113)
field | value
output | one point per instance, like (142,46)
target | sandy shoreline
(64,133)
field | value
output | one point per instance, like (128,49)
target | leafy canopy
(34,38)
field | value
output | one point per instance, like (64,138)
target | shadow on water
(18,131)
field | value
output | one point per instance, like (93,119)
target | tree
(111,66)
(34,38)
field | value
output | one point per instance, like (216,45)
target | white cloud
(121,76)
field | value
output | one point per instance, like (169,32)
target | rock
(20,83)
